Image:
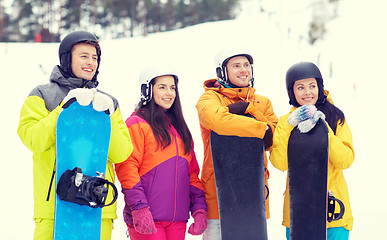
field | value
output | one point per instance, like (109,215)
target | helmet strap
(224,69)
(252,76)
(146,93)
(221,73)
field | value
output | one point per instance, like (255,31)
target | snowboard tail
(308,180)
(83,138)
(240,183)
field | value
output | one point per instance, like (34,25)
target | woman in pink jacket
(160,179)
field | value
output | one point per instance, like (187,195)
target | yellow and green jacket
(341,156)
(36,129)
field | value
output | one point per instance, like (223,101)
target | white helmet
(224,55)
(150,73)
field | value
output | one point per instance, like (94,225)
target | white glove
(103,102)
(307,125)
(84,96)
(301,114)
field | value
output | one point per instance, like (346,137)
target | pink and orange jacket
(166,179)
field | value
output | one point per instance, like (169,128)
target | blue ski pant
(44,229)
(336,233)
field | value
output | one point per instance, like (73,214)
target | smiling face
(306,91)
(84,61)
(164,91)
(239,71)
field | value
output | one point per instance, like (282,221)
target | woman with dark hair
(160,179)
(311,102)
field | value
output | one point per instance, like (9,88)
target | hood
(244,93)
(58,77)
(329,97)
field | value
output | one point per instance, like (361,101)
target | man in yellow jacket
(229,106)
(75,77)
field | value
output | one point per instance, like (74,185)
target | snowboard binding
(332,216)
(74,186)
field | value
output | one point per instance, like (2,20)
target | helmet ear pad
(68,60)
(219,72)
(321,94)
(292,98)
(146,93)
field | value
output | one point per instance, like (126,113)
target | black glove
(238,108)
(268,138)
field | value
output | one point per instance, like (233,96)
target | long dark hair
(160,121)
(333,115)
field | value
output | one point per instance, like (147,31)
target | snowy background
(352,58)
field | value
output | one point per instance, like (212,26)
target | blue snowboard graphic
(83,137)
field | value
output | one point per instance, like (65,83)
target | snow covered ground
(351,57)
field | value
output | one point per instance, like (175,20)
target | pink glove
(200,222)
(143,221)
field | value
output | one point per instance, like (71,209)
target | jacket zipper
(176,176)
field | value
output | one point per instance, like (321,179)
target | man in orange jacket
(223,108)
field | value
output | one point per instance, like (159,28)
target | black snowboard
(240,184)
(308,177)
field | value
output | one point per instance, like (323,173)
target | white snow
(352,58)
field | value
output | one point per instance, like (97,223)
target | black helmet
(304,70)
(65,50)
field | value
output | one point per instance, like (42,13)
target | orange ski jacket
(214,115)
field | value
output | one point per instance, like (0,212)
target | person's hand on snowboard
(238,108)
(307,125)
(200,222)
(84,96)
(268,138)
(103,102)
(301,114)
(305,117)
(143,221)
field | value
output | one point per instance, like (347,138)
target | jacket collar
(232,93)
(72,83)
